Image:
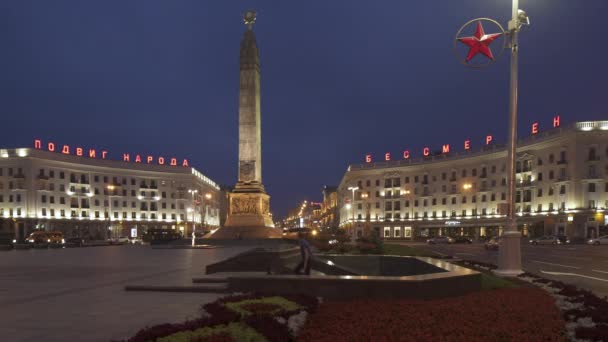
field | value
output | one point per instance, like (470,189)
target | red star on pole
(479,43)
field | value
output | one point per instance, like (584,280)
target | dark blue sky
(339,79)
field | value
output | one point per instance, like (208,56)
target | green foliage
(284,304)
(238,331)
(492,282)
(393,249)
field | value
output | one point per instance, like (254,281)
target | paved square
(77,294)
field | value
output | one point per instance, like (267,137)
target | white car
(121,239)
(136,241)
(602,240)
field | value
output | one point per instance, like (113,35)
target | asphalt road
(77,294)
(581,265)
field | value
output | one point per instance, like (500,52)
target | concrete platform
(239,233)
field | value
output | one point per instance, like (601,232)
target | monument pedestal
(248,215)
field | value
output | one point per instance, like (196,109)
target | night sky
(339,79)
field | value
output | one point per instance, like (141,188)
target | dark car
(439,239)
(492,244)
(462,239)
(74,242)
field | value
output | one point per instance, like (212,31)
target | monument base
(248,215)
(238,233)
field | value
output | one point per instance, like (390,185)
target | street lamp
(208,197)
(466,187)
(353,189)
(110,188)
(509,253)
(193,193)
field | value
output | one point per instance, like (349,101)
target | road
(581,265)
(77,294)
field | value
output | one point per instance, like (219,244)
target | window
(503,196)
(453,200)
(434,201)
(539,162)
(551,158)
(387,232)
(415,203)
(387,183)
(591,205)
(396,182)
(483,198)
(592,154)
(539,192)
(377,205)
(367,183)
(591,187)
(540,176)
(464,173)
(62,176)
(550,191)
(551,174)
(443,201)
(397,232)
(562,189)
(464,199)
(474,172)
(397,205)
(443,176)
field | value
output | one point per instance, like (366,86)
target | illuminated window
(387,232)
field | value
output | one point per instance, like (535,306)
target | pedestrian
(306,254)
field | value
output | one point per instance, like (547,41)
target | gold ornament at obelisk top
(249,18)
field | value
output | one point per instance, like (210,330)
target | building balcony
(593,158)
(42,177)
(19,176)
(562,162)
(524,184)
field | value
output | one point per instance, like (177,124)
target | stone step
(207,280)
(214,287)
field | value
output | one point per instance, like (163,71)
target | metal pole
(509,256)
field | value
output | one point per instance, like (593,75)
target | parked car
(546,240)
(492,244)
(120,240)
(463,239)
(602,240)
(74,242)
(41,237)
(136,241)
(440,239)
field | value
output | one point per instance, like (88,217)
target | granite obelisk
(249,204)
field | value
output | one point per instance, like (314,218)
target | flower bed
(510,314)
(244,317)
(586,314)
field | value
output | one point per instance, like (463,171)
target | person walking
(306,254)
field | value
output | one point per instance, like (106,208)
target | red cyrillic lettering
(51,147)
(368,158)
(185,162)
(79,151)
(535,128)
(406,154)
(104,154)
(161,161)
(556,121)
(37,144)
(173,162)
(92,154)
(125,157)
(488,139)
(387,156)
(445,148)
(149,159)
(138,158)
(467,144)
(426,151)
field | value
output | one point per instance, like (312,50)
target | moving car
(440,239)
(546,240)
(136,241)
(463,239)
(602,240)
(492,244)
(41,237)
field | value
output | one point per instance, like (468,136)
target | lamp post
(353,189)
(193,193)
(207,197)
(110,189)
(509,253)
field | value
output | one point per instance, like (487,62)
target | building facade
(100,198)
(329,208)
(562,189)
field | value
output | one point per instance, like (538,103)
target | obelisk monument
(249,204)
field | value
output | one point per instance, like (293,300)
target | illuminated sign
(445,148)
(452,223)
(103,154)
